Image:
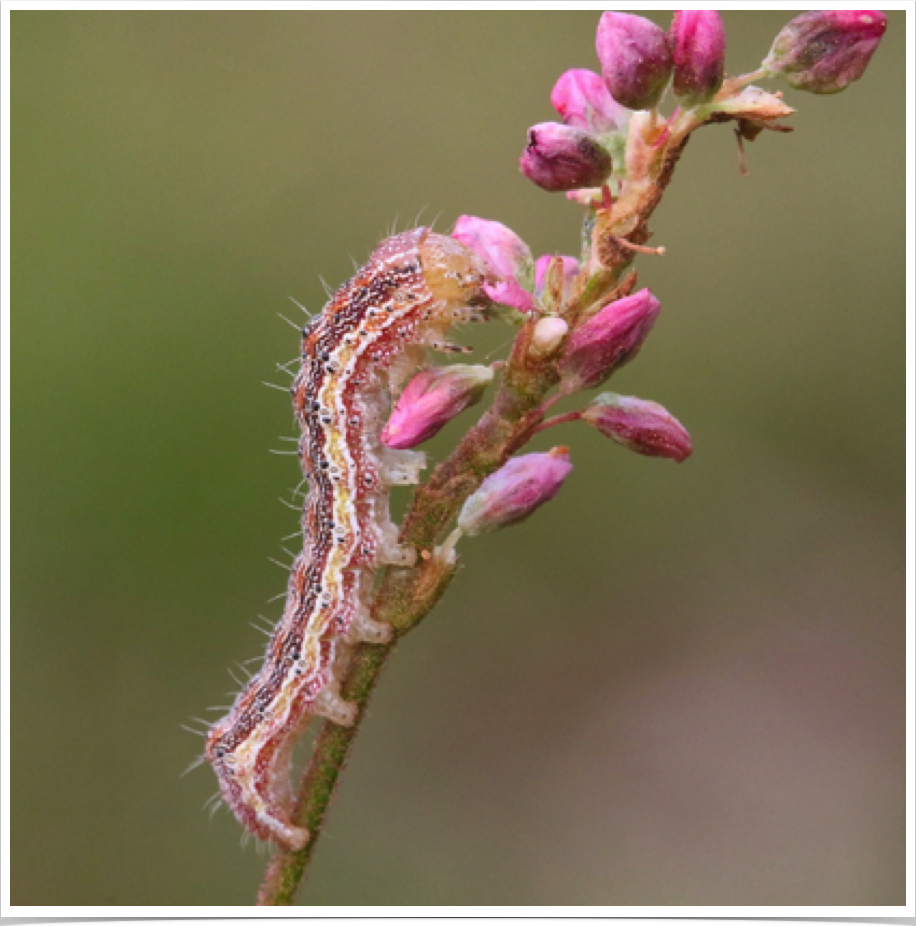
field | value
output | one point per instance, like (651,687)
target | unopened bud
(514,492)
(635,59)
(698,49)
(560,158)
(432,398)
(583,101)
(506,259)
(645,427)
(549,334)
(607,341)
(824,51)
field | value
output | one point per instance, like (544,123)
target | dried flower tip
(560,158)
(645,427)
(549,334)
(514,492)
(583,101)
(698,49)
(506,258)
(824,51)
(755,109)
(635,59)
(432,398)
(607,341)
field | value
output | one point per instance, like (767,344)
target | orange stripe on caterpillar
(372,334)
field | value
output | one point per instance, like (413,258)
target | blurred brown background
(675,685)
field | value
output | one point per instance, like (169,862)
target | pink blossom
(516,491)
(644,427)
(560,158)
(824,51)
(432,398)
(506,258)
(635,59)
(583,101)
(607,341)
(698,48)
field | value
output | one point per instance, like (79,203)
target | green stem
(286,869)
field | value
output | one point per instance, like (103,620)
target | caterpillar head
(455,278)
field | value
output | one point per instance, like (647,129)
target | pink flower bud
(511,294)
(515,491)
(561,158)
(432,398)
(824,51)
(570,270)
(698,48)
(503,253)
(583,101)
(607,341)
(644,427)
(506,258)
(549,333)
(635,59)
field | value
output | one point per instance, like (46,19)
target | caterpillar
(373,332)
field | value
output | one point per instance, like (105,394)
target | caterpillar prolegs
(373,332)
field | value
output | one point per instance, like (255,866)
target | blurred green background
(675,685)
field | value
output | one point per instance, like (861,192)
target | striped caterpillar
(373,333)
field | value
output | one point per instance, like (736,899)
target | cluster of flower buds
(514,278)
(526,482)
(822,51)
(638,60)
(597,148)
(589,356)
(578,153)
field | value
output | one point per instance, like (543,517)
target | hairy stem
(286,869)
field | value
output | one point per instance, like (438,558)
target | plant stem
(286,869)
(553,422)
